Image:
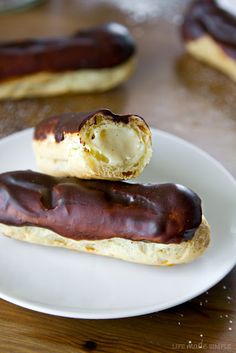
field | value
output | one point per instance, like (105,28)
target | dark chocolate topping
(206,17)
(72,123)
(96,48)
(94,209)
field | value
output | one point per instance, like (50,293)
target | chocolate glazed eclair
(95,59)
(94,145)
(151,224)
(209,34)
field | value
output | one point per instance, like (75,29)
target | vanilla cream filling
(119,144)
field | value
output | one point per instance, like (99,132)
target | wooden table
(174,93)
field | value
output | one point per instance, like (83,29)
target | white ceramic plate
(66,283)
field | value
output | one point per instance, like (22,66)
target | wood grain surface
(174,93)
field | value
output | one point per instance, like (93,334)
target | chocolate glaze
(205,17)
(96,48)
(93,210)
(72,123)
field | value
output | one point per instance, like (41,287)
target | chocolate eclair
(93,145)
(145,223)
(209,33)
(95,59)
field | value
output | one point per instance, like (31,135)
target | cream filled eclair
(95,59)
(145,223)
(209,33)
(94,145)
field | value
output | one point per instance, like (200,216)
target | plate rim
(122,313)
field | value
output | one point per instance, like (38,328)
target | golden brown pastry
(94,145)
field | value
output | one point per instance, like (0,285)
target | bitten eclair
(95,59)
(209,34)
(94,145)
(144,223)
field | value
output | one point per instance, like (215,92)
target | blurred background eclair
(209,33)
(95,59)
